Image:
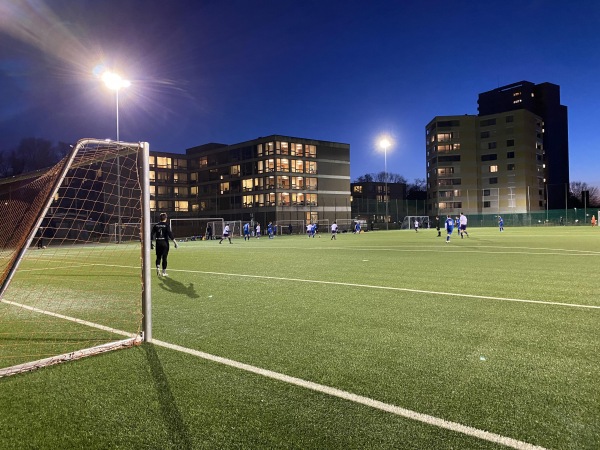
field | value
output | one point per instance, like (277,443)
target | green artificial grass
(498,331)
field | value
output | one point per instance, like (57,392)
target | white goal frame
(408,223)
(81,158)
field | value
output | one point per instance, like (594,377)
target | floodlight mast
(384,143)
(115,82)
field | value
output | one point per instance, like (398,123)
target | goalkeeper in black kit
(161,232)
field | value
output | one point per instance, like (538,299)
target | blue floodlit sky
(346,71)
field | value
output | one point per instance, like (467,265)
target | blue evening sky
(346,71)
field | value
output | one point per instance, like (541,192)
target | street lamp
(384,143)
(115,82)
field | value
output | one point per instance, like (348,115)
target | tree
(31,154)
(381,177)
(417,190)
(576,190)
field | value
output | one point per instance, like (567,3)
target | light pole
(385,143)
(115,82)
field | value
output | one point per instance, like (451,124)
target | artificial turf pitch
(497,332)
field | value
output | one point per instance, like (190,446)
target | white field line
(391,288)
(407,413)
(72,319)
(366,401)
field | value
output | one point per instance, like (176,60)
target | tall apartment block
(511,158)
(268,179)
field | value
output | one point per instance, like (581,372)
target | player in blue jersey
(500,223)
(246,231)
(449,228)
(270,230)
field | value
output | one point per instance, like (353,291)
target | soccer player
(246,231)
(416,225)
(161,232)
(500,223)
(437,226)
(334,229)
(226,234)
(463,225)
(357,228)
(257,231)
(308,230)
(449,228)
(270,230)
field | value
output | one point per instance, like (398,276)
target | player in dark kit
(161,232)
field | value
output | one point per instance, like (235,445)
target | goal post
(290,227)
(194,227)
(66,289)
(408,223)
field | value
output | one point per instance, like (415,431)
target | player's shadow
(177,287)
(174,423)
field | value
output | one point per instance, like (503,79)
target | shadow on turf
(171,285)
(174,423)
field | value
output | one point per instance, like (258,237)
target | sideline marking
(366,401)
(390,288)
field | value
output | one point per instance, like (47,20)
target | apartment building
(269,179)
(507,159)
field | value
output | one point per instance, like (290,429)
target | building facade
(498,162)
(269,179)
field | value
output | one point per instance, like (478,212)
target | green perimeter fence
(373,212)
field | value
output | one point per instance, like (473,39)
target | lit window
(493,168)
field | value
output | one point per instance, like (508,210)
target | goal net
(297,227)
(409,222)
(195,228)
(345,225)
(72,283)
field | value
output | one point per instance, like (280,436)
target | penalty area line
(366,401)
(391,288)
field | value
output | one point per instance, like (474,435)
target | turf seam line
(391,288)
(366,401)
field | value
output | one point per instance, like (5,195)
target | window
(493,180)
(487,204)
(224,187)
(297,150)
(448,123)
(445,170)
(285,148)
(357,189)
(259,149)
(449,181)
(510,155)
(247,201)
(283,182)
(510,167)
(203,161)
(510,119)
(162,161)
(487,123)
(486,192)
(491,157)
(484,135)
(444,137)
(283,165)
(311,167)
(493,169)
(297,166)
(444,147)
(247,184)
(311,183)
(269,148)
(491,145)
(311,199)
(510,142)
(297,183)
(452,158)
(181,205)
(310,151)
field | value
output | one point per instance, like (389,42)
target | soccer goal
(297,227)
(345,225)
(67,289)
(409,222)
(195,228)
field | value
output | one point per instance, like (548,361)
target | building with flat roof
(269,179)
(507,159)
